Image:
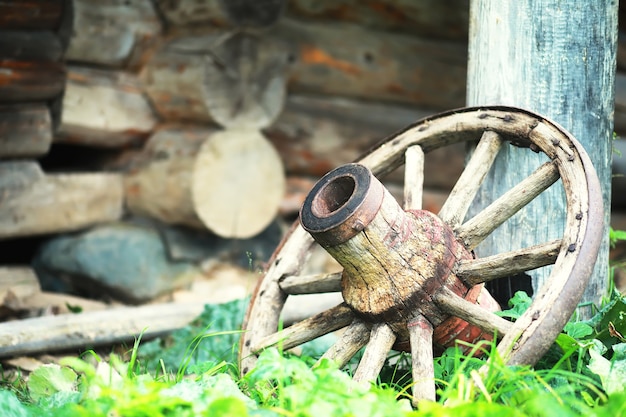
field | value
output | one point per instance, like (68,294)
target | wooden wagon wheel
(409,276)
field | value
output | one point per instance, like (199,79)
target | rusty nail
(358,225)
(579,216)
(571,248)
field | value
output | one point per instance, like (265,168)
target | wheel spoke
(480,226)
(356,335)
(311,284)
(455,208)
(421,336)
(323,323)
(507,264)
(381,341)
(413,177)
(470,312)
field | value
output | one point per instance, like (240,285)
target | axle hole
(333,196)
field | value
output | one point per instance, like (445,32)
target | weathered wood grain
(374,65)
(323,323)
(116,33)
(30,45)
(425,18)
(104,108)
(422,370)
(532,66)
(476,229)
(184,183)
(25,130)
(233,79)
(94,328)
(31,14)
(381,340)
(458,203)
(35,204)
(22,81)
(317,134)
(351,340)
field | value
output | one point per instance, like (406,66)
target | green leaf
(49,379)
(611,319)
(227,407)
(519,304)
(612,372)
(578,330)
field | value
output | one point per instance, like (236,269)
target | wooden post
(556,58)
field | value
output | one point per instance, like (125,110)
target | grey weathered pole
(557,58)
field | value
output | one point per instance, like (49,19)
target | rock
(125,261)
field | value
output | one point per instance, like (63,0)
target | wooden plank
(425,18)
(25,131)
(541,78)
(34,203)
(104,108)
(31,14)
(31,45)
(94,328)
(374,65)
(30,80)
(116,33)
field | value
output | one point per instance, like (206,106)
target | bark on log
(233,184)
(231,79)
(316,135)
(430,18)
(115,34)
(31,14)
(33,45)
(33,203)
(22,81)
(374,64)
(104,108)
(25,131)
(95,328)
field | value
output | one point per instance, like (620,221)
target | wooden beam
(94,328)
(374,65)
(117,34)
(22,81)
(316,135)
(233,79)
(34,203)
(31,14)
(31,45)
(531,66)
(104,108)
(425,18)
(25,130)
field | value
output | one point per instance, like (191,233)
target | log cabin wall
(106,88)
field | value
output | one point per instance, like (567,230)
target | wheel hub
(394,261)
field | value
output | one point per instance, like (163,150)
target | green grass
(193,372)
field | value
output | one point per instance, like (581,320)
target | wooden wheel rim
(534,332)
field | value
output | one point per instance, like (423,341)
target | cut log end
(238,183)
